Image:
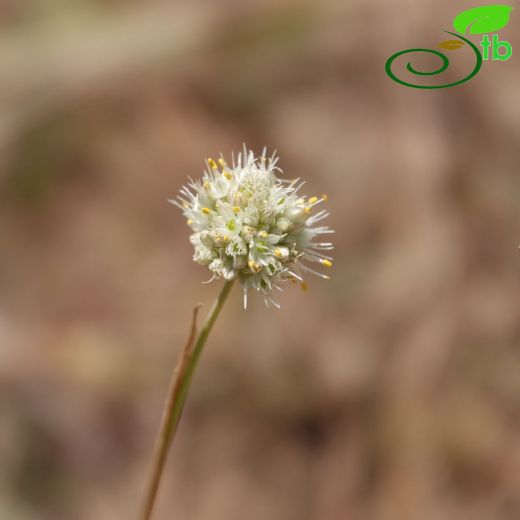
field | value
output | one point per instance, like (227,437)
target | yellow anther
(326,263)
(189,222)
(212,164)
(277,253)
(227,175)
(185,205)
(307,209)
(263,234)
(225,238)
(222,162)
(206,211)
(254,266)
(312,200)
(304,286)
(206,185)
(236,209)
(325,197)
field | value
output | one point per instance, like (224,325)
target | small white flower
(248,223)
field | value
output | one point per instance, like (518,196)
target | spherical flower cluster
(248,223)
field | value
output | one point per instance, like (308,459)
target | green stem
(176,398)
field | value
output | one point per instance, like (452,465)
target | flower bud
(248,233)
(297,214)
(284,224)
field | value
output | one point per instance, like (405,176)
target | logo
(479,20)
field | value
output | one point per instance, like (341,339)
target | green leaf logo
(483,19)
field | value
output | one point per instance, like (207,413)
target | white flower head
(250,224)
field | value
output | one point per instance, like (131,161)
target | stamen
(222,162)
(325,197)
(227,175)
(263,234)
(312,200)
(307,209)
(319,216)
(304,286)
(326,263)
(189,222)
(212,164)
(254,266)
(206,211)
(175,203)
(277,253)
(236,209)
(206,185)
(309,270)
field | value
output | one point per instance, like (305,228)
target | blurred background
(391,391)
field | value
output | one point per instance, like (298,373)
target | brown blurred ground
(390,392)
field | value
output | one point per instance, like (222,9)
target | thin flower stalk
(176,398)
